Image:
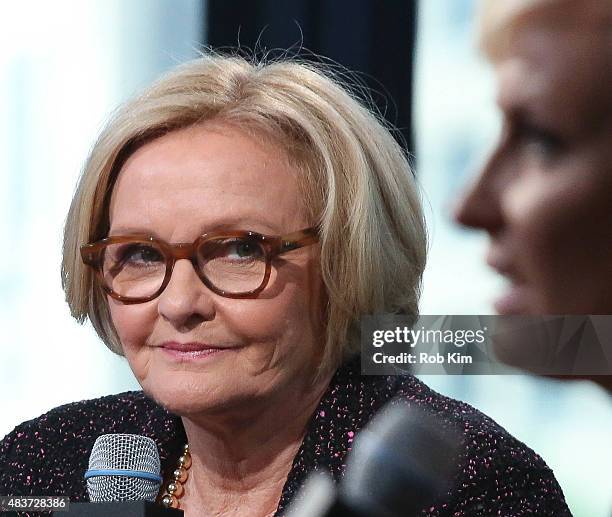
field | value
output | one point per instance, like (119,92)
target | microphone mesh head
(402,461)
(129,452)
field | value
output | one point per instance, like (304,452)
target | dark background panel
(372,37)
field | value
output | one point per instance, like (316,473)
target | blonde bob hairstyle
(356,181)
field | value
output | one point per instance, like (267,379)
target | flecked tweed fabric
(497,474)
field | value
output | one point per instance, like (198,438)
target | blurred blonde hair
(355,178)
(499,19)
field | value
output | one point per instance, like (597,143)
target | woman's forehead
(204,174)
(500,23)
(557,67)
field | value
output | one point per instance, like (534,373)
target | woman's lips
(512,301)
(187,351)
(515,298)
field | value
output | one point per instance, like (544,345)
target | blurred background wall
(65,65)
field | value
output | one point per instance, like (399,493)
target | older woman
(231,226)
(545,195)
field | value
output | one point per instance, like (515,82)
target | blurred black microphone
(123,479)
(403,461)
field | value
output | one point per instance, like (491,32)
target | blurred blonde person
(544,196)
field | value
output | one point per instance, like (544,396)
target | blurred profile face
(251,351)
(545,195)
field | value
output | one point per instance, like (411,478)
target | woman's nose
(186,302)
(480,205)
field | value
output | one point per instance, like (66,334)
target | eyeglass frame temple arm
(298,239)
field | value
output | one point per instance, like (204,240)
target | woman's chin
(183,392)
(185,403)
(526,299)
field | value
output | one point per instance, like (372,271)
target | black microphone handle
(340,508)
(119,509)
(319,497)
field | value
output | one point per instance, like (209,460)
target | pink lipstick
(190,351)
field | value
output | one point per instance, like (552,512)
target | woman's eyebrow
(132,230)
(241,224)
(236,224)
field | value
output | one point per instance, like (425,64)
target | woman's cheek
(522,206)
(531,228)
(275,327)
(263,325)
(134,325)
(550,219)
(261,319)
(130,322)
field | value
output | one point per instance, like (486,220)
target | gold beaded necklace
(175,490)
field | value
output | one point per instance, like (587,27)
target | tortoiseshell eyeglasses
(137,268)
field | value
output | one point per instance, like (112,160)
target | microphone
(123,467)
(123,478)
(401,462)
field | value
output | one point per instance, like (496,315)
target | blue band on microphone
(121,472)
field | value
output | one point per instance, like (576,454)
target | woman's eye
(138,254)
(538,142)
(241,249)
